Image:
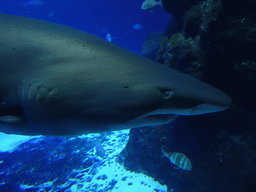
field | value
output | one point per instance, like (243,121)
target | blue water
(97,17)
(95,162)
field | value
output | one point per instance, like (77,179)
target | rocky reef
(71,164)
(212,40)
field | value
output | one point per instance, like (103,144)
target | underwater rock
(248,68)
(143,154)
(177,8)
(227,34)
(182,54)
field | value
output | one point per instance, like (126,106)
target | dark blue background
(97,17)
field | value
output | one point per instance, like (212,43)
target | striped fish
(178,159)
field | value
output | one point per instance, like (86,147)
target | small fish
(149,5)
(35,3)
(137,26)
(178,159)
(51,14)
(109,37)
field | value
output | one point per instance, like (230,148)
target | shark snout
(193,100)
(211,100)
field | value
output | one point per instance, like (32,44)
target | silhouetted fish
(35,3)
(137,26)
(149,5)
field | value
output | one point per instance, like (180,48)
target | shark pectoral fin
(159,119)
(10,119)
(11,124)
(151,120)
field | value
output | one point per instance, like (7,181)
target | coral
(182,54)
(151,45)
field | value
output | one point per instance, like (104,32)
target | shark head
(189,96)
(62,81)
(108,96)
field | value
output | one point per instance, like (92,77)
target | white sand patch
(114,177)
(9,142)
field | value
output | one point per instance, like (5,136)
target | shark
(59,81)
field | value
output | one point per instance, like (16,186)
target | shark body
(56,80)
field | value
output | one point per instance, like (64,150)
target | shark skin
(59,81)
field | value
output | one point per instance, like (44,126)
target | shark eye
(167,93)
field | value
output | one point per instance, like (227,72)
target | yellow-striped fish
(178,159)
